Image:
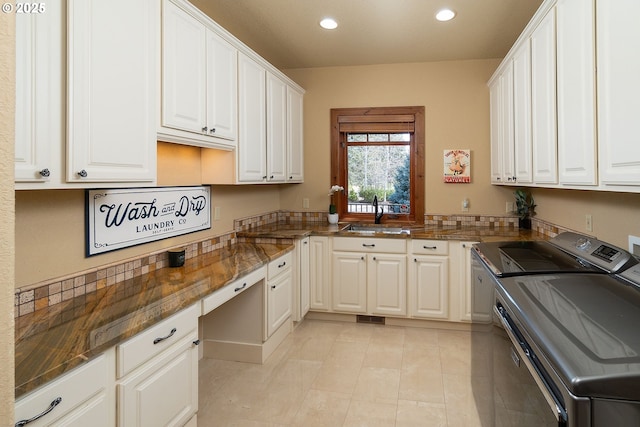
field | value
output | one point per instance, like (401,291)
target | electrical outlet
(509,208)
(588,222)
(305,203)
(216,213)
(465,205)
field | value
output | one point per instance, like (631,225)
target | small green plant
(525,205)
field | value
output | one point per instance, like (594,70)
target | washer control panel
(608,257)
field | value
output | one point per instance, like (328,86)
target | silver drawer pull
(429,247)
(282,265)
(239,288)
(52,405)
(157,340)
(369,246)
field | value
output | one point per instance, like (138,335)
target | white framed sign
(119,218)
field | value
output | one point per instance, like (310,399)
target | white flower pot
(333,218)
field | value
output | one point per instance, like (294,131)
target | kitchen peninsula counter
(53,340)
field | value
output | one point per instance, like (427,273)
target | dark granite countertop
(51,341)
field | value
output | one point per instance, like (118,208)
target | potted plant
(333,215)
(525,206)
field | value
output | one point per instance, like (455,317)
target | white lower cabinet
(387,284)
(319,273)
(278,293)
(369,276)
(82,397)
(158,373)
(429,279)
(349,284)
(300,274)
(476,301)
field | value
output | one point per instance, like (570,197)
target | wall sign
(120,218)
(457,166)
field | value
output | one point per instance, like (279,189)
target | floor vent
(377,320)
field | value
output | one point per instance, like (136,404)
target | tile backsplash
(55,291)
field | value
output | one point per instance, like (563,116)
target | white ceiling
(287,34)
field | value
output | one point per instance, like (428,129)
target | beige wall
(50,229)
(456,100)
(7,108)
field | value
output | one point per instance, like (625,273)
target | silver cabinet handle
(44,172)
(157,340)
(52,405)
(82,173)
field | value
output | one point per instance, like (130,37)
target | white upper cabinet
(111,90)
(222,88)
(585,97)
(618,44)
(501,92)
(39,137)
(577,148)
(522,114)
(295,135)
(252,149)
(276,129)
(199,81)
(543,101)
(184,84)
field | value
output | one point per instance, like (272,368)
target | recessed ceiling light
(329,24)
(445,15)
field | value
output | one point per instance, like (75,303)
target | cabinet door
(349,282)
(577,149)
(319,273)
(164,391)
(184,87)
(495,101)
(252,138)
(295,136)
(477,286)
(303,278)
(86,397)
(506,125)
(522,114)
(222,87)
(111,104)
(501,98)
(387,283)
(428,287)
(278,301)
(618,41)
(543,101)
(276,129)
(39,135)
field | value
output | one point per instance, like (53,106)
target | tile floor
(349,374)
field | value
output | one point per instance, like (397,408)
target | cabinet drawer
(76,389)
(430,247)
(368,244)
(279,265)
(234,288)
(150,342)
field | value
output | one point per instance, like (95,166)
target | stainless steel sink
(375,228)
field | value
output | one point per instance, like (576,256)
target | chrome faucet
(377,215)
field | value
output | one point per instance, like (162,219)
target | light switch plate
(634,245)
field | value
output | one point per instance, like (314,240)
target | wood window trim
(390,119)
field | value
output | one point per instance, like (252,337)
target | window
(379,152)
